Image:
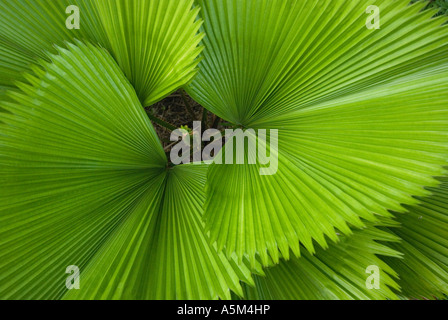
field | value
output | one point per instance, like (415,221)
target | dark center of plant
(179,110)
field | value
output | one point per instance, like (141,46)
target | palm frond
(424,241)
(84,181)
(154,42)
(35,27)
(361,114)
(12,66)
(338,273)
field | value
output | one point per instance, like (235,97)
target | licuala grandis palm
(362,116)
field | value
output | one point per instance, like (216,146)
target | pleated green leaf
(29,29)
(361,114)
(424,243)
(12,66)
(84,181)
(161,251)
(337,273)
(154,42)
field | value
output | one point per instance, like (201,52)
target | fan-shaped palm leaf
(337,273)
(424,242)
(154,42)
(33,28)
(361,114)
(84,181)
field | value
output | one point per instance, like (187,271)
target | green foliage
(363,128)
(332,274)
(330,85)
(101,205)
(424,242)
(440,5)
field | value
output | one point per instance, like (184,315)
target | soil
(174,110)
